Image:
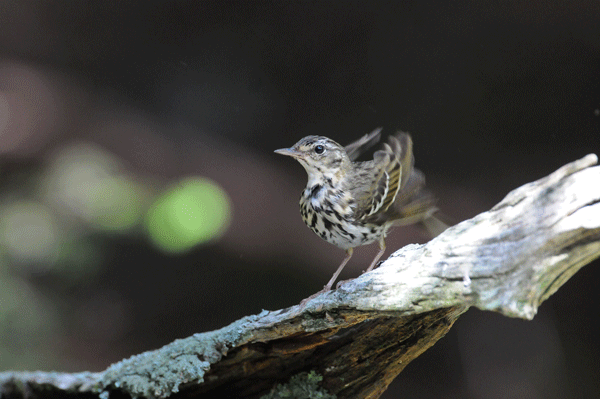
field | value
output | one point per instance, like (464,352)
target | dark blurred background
(140,199)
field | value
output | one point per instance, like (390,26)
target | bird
(350,204)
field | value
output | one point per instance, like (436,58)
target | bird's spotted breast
(335,222)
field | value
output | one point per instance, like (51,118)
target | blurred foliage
(51,216)
(27,319)
(29,232)
(193,212)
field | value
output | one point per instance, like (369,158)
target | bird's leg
(349,252)
(330,283)
(381,251)
(371,266)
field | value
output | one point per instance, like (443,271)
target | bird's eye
(319,149)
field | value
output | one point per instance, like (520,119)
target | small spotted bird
(350,204)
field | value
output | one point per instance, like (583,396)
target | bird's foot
(374,267)
(342,282)
(305,300)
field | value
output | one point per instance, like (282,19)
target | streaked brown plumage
(350,204)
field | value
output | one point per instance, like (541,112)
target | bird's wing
(355,149)
(395,190)
(385,178)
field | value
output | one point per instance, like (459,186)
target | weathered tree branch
(359,337)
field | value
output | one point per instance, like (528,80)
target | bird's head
(323,158)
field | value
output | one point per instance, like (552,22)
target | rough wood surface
(359,337)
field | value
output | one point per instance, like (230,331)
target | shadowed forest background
(141,201)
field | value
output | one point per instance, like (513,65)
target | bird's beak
(290,152)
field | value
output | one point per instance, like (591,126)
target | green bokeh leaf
(193,212)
